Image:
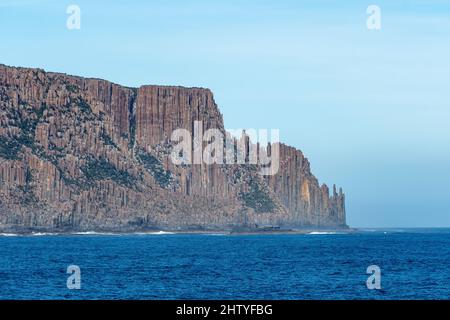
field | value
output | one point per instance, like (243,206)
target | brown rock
(87,154)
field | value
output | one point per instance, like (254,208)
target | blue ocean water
(415,264)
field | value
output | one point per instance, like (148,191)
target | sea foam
(324,232)
(154,233)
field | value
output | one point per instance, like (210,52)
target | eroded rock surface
(86,154)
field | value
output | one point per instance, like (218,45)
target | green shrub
(155,168)
(108,140)
(83,105)
(9,148)
(101,169)
(258,199)
(72,88)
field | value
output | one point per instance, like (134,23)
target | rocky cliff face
(87,154)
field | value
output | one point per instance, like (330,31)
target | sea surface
(414,263)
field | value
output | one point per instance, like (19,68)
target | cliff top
(209,91)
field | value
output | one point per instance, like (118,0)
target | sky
(369,108)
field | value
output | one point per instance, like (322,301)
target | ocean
(414,264)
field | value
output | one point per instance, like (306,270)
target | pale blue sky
(370,109)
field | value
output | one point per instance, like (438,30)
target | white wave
(154,233)
(9,235)
(324,232)
(43,234)
(368,230)
(87,233)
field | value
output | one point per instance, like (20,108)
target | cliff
(87,154)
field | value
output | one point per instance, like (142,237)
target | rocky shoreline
(19,231)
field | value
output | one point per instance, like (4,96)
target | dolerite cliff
(86,154)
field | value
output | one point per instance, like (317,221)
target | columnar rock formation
(87,154)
